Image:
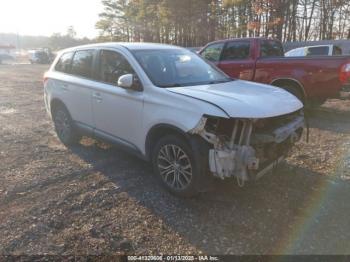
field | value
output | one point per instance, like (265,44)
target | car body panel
(243,99)
(320,79)
(76,94)
(123,107)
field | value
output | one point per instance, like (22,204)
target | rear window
(236,50)
(82,63)
(64,63)
(271,48)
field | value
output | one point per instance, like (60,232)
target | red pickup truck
(311,79)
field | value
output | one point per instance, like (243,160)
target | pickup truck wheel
(316,103)
(64,126)
(173,162)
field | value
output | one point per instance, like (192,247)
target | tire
(64,126)
(313,104)
(294,91)
(174,164)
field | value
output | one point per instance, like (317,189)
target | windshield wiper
(172,85)
(220,81)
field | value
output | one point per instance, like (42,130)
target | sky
(45,17)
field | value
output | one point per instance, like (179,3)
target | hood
(243,99)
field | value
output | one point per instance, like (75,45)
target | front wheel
(174,163)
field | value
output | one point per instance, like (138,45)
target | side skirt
(116,141)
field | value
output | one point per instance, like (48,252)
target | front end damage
(249,148)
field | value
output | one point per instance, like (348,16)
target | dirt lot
(96,199)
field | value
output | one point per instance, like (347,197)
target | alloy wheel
(62,124)
(174,167)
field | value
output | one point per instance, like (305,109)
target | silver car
(172,108)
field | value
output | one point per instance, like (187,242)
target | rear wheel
(174,163)
(315,103)
(293,89)
(64,126)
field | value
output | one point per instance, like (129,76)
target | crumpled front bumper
(243,162)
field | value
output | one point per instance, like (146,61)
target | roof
(130,46)
(148,46)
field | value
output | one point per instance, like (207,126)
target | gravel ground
(96,199)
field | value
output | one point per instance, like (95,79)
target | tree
(196,22)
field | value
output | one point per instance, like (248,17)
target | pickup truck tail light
(344,75)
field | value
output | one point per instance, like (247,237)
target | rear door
(236,59)
(72,84)
(78,89)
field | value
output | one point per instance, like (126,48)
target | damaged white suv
(171,107)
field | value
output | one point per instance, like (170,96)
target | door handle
(97,97)
(65,87)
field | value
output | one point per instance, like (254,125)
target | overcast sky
(45,17)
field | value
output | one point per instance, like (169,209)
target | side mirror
(126,81)
(129,81)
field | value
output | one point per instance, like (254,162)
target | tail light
(344,75)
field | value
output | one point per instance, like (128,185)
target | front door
(117,111)
(213,52)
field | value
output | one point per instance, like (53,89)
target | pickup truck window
(236,50)
(213,52)
(319,50)
(271,48)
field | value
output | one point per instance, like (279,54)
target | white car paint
(304,51)
(129,115)
(243,99)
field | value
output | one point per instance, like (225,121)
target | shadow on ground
(329,119)
(290,211)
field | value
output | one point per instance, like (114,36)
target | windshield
(178,67)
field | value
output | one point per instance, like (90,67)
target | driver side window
(112,66)
(213,52)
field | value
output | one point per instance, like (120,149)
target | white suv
(171,107)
